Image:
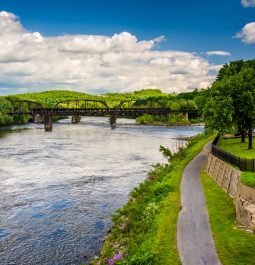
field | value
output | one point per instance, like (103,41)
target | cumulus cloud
(248,3)
(219,53)
(93,63)
(247,34)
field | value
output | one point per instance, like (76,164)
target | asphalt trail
(194,238)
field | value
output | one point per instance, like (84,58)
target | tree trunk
(250,139)
(243,134)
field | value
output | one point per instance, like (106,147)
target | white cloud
(219,53)
(247,34)
(248,3)
(93,63)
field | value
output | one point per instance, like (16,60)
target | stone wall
(228,178)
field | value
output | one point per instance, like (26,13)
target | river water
(59,189)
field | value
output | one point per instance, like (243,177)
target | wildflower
(111,262)
(115,257)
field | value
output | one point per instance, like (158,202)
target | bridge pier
(75,119)
(48,123)
(186,115)
(37,118)
(112,121)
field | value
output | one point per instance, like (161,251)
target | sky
(104,46)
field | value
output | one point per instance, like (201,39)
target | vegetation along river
(59,189)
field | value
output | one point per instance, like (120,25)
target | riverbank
(172,120)
(144,230)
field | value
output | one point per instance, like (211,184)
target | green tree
(5,108)
(247,113)
(219,114)
(230,100)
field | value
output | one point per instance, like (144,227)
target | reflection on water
(58,190)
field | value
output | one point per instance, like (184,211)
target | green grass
(235,147)
(248,178)
(144,230)
(234,246)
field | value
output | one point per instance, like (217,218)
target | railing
(243,164)
(216,140)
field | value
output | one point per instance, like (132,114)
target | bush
(174,119)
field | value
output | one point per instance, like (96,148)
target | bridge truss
(90,107)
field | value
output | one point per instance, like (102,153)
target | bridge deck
(101,111)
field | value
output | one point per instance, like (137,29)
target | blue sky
(188,26)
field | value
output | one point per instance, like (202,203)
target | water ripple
(58,190)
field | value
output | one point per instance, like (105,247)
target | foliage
(248,178)
(234,246)
(219,111)
(150,119)
(49,98)
(174,119)
(197,120)
(230,100)
(5,107)
(178,119)
(166,152)
(144,230)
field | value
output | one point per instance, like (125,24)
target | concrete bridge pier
(75,119)
(186,115)
(48,123)
(112,121)
(37,118)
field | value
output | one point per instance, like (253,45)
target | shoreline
(171,125)
(144,229)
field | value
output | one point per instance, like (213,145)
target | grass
(235,147)
(234,246)
(144,230)
(248,178)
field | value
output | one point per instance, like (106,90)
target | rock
(242,215)
(251,208)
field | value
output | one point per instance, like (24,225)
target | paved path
(194,238)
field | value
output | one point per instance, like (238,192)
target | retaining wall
(228,178)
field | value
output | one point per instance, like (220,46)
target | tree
(247,111)
(244,96)
(219,114)
(5,107)
(230,100)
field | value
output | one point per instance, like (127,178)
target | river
(59,189)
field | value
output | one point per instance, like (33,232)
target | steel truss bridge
(85,107)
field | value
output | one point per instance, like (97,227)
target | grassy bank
(234,246)
(144,230)
(248,178)
(235,147)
